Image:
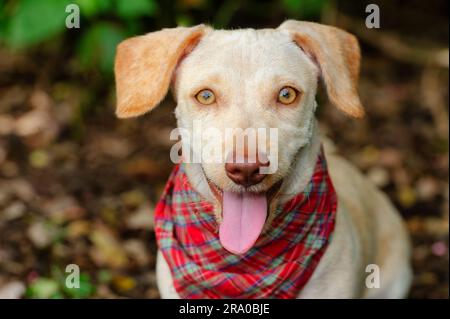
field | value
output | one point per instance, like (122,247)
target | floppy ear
(144,67)
(338,56)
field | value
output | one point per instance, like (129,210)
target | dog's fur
(246,69)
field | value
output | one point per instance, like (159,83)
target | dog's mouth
(244,215)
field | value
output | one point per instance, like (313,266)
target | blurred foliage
(32,21)
(104,23)
(305,7)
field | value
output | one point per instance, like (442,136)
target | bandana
(277,266)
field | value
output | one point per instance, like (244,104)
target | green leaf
(97,47)
(91,8)
(104,276)
(184,20)
(43,288)
(136,8)
(85,290)
(35,21)
(304,8)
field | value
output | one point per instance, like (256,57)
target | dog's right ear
(337,54)
(144,66)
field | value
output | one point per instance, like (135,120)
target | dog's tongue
(243,218)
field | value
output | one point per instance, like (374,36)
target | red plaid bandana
(277,266)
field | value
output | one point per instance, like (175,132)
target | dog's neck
(295,181)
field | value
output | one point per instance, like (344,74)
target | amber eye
(287,95)
(206,97)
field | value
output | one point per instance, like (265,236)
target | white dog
(268,79)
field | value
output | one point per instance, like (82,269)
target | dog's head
(241,79)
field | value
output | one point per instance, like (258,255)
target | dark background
(78,185)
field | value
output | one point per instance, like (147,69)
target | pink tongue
(243,217)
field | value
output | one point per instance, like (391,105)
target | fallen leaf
(39,99)
(3,153)
(133,197)
(123,283)
(42,234)
(39,159)
(142,218)
(137,251)
(142,166)
(427,188)
(14,210)
(427,278)
(6,124)
(9,169)
(368,156)
(78,228)
(32,122)
(104,292)
(406,196)
(436,226)
(62,209)
(113,146)
(38,128)
(12,290)
(379,176)
(107,250)
(390,157)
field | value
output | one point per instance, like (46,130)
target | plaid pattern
(278,266)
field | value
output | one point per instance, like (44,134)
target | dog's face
(245,71)
(246,79)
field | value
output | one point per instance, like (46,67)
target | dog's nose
(245,174)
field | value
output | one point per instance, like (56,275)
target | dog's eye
(287,95)
(206,97)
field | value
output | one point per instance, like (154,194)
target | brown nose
(245,174)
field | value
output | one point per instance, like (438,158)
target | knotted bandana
(277,266)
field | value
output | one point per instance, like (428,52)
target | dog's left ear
(338,56)
(144,67)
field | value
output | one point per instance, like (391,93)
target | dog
(267,78)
